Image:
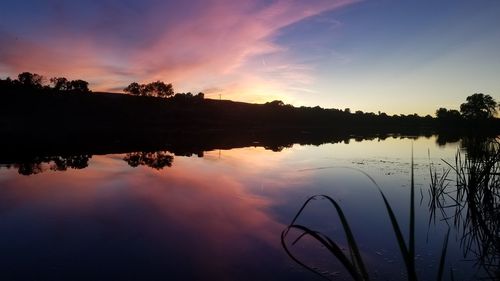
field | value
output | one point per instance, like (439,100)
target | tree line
(155,89)
(36,82)
(40,164)
(159,89)
(476,107)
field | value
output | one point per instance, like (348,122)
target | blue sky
(387,55)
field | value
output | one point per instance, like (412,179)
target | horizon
(389,56)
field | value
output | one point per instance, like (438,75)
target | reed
(353,261)
(474,203)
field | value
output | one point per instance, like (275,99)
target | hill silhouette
(68,115)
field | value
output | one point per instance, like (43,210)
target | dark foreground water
(220,216)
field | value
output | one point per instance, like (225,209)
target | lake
(219,215)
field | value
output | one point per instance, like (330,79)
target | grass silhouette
(353,261)
(474,203)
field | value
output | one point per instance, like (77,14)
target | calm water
(220,216)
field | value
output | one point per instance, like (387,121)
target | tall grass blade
(350,239)
(327,243)
(401,242)
(354,264)
(411,250)
(357,261)
(443,257)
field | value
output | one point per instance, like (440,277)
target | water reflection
(38,165)
(30,163)
(111,222)
(156,160)
(144,216)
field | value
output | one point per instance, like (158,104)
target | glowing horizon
(398,58)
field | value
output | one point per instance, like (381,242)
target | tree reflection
(36,165)
(472,203)
(29,168)
(73,162)
(447,138)
(42,164)
(156,160)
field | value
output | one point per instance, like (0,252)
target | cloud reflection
(210,218)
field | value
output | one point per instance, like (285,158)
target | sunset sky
(395,56)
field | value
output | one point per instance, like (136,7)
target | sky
(394,56)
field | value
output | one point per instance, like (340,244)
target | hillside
(23,112)
(48,121)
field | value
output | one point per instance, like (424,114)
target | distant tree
(60,83)
(444,114)
(6,84)
(79,86)
(347,110)
(146,89)
(7,80)
(478,106)
(31,80)
(276,103)
(454,114)
(200,96)
(441,112)
(168,90)
(161,89)
(134,89)
(156,89)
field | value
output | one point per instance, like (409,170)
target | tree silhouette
(275,103)
(161,89)
(444,114)
(34,83)
(478,106)
(60,83)
(155,89)
(134,88)
(31,80)
(80,86)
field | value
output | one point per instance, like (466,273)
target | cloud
(200,44)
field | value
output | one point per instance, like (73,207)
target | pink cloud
(204,44)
